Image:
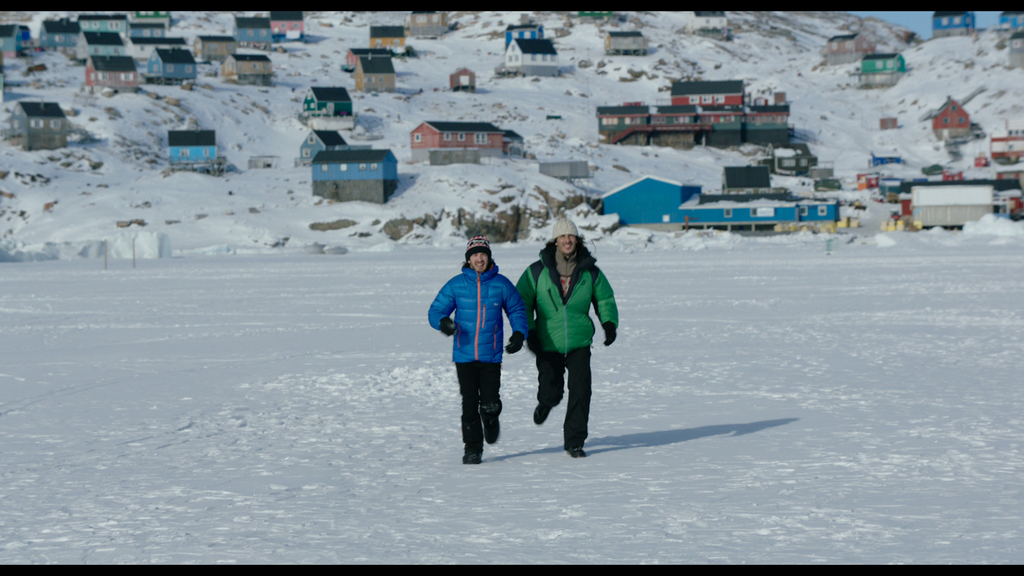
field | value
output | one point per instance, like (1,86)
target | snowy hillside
(116,168)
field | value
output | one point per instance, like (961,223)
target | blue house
(348,175)
(59,35)
(116,23)
(649,200)
(317,141)
(952,23)
(253,32)
(147,30)
(1011,19)
(523,31)
(170,66)
(10,40)
(762,213)
(192,146)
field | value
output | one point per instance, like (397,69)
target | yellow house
(387,37)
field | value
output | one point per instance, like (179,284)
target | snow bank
(992,225)
(147,245)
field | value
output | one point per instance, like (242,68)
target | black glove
(609,333)
(533,343)
(515,342)
(447,326)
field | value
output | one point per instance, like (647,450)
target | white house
(533,57)
(707,23)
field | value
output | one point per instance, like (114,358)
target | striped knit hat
(478,244)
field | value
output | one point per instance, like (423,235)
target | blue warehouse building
(649,200)
(349,175)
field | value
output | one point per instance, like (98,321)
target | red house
(951,121)
(709,93)
(115,72)
(482,136)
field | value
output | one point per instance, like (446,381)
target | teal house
(326,102)
(881,70)
(192,146)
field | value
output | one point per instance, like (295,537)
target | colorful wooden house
(526,31)
(326,102)
(720,212)
(146,30)
(951,121)
(355,175)
(38,126)
(253,32)
(287,26)
(374,74)
(462,80)
(711,92)
(192,146)
(391,37)
(1009,148)
(317,141)
(61,35)
(650,202)
(152,17)
(214,48)
(791,160)
(726,124)
(10,41)
(1016,59)
(117,73)
(483,137)
(427,24)
(99,44)
(767,124)
(353,55)
(142,49)
(252,69)
(630,43)
(170,66)
(712,24)
(881,70)
(112,23)
(1011,20)
(953,23)
(847,48)
(532,57)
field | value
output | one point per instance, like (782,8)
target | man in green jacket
(558,291)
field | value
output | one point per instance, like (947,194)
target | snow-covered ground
(765,402)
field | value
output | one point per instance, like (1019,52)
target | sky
(921,22)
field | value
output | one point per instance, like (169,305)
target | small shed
(888,124)
(462,80)
(192,146)
(632,43)
(569,170)
(651,202)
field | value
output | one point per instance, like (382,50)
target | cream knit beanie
(563,227)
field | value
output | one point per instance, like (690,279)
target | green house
(152,17)
(327,102)
(879,70)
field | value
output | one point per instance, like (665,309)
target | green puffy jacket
(563,324)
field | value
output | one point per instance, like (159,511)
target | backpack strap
(535,269)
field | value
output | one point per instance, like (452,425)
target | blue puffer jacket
(478,300)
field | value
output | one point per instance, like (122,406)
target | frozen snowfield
(764,403)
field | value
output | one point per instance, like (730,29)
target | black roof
(945,13)
(1017,36)
(779,196)
(113,63)
(62,26)
(387,31)
(771,108)
(681,88)
(327,156)
(514,27)
(103,38)
(623,110)
(250,57)
(8,30)
(102,17)
(168,41)
(535,46)
(681,109)
(42,109)
(843,37)
(192,138)
(244,22)
(879,56)
(723,109)
(174,56)
(148,25)
(464,126)
(330,137)
(370,51)
(708,13)
(324,94)
(997,185)
(217,38)
(747,177)
(511,135)
(289,15)
(378,65)
(625,34)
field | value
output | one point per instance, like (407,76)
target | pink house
(482,136)
(286,26)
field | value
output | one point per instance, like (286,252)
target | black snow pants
(478,383)
(551,368)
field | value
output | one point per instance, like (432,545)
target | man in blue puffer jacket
(477,296)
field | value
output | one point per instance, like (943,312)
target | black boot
(471,458)
(540,414)
(576,452)
(489,414)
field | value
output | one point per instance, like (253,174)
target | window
(822,210)
(184,153)
(373,166)
(706,99)
(312,139)
(324,167)
(803,210)
(480,138)
(447,136)
(188,68)
(206,152)
(35,123)
(343,167)
(305,152)
(462,136)
(727,212)
(417,137)
(720,99)
(362,166)
(55,124)
(170,67)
